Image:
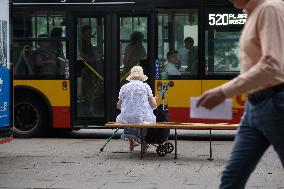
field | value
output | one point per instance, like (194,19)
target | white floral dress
(135,108)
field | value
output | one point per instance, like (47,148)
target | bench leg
(175,144)
(210,146)
(102,148)
(142,141)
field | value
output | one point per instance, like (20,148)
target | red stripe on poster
(183,115)
(6,140)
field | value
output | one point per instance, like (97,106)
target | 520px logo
(226,19)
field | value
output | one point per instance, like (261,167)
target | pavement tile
(78,163)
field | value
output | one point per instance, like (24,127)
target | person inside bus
(44,58)
(56,47)
(134,51)
(24,64)
(136,103)
(187,56)
(172,64)
(89,52)
(37,61)
(92,85)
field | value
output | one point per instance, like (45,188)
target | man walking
(262,78)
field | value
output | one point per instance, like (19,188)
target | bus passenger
(172,64)
(90,53)
(136,103)
(187,56)
(134,51)
(92,85)
(24,64)
(45,59)
(56,47)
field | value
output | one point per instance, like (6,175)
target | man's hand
(211,98)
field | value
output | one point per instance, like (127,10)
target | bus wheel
(30,117)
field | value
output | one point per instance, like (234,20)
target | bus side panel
(61,117)
(238,101)
(57,92)
(178,99)
(183,115)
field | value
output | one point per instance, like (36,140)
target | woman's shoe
(132,145)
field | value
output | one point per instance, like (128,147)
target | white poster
(4,34)
(223,111)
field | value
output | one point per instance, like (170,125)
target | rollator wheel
(161,150)
(169,146)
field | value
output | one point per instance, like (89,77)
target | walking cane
(102,148)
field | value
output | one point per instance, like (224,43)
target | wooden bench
(175,126)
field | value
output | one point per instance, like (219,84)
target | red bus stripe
(183,115)
(61,117)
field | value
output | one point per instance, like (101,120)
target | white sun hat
(136,73)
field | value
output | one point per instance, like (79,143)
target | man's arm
(268,71)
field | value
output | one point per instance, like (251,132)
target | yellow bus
(70,57)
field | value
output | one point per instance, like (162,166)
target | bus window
(133,44)
(37,22)
(222,49)
(178,31)
(39,47)
(222,41)
(90,75)
(41,58)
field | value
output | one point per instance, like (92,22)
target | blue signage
(157,69)
(5,80)
(4,96)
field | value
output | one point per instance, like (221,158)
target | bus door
(89,68)
(178,63)
(133,46)
(107,47)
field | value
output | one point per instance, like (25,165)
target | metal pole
(175,144)
(141,152)
(210,148)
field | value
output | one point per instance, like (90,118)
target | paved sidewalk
(77,163)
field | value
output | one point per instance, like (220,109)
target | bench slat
(174,125)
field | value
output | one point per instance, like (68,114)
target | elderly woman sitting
(136,103)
